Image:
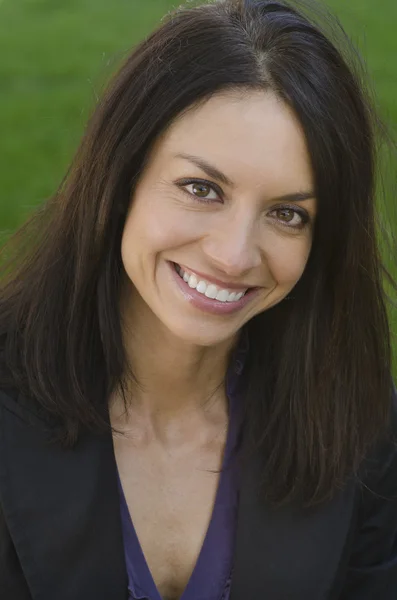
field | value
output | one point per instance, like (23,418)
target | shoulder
(14,402)
(17,407)
(9,393)
(378,474)
(22,425)
(371,571)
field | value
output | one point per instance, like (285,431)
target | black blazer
(61,539)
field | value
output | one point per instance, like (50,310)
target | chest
(170,500)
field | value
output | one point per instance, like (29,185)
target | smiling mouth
(208,289)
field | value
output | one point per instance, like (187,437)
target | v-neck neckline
(224,512)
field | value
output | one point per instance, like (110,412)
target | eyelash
(302,213)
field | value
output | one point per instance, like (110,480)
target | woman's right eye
(200,190)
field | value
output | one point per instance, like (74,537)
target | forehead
(253,136)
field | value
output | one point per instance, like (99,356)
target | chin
(202,334)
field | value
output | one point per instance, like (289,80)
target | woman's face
(220,223)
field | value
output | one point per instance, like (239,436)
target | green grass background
(56,55)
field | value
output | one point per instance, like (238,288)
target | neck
(173,377)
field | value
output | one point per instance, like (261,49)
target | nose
(232,246)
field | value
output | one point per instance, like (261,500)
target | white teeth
(223,295)
(209,289)
(192,281)
(201,287)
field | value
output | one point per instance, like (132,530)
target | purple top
(211,576)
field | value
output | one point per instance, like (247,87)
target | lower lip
(209,304)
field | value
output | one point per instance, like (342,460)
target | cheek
(287,261)
(152,227)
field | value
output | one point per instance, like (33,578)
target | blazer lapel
(288,553)
(62,510)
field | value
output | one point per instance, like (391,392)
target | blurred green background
(56,55)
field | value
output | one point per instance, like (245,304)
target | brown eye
(291,217)
(200,189)
(285,214)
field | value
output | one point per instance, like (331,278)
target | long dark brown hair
(318,374)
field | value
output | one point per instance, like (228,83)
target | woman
(196,368)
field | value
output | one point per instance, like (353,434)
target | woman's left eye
(291,217)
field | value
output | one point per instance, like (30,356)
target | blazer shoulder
(20,406)
(15,401)
(9,392)
(378,475)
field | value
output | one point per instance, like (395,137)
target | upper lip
(218,282)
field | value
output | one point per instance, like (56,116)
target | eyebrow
(215,173)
